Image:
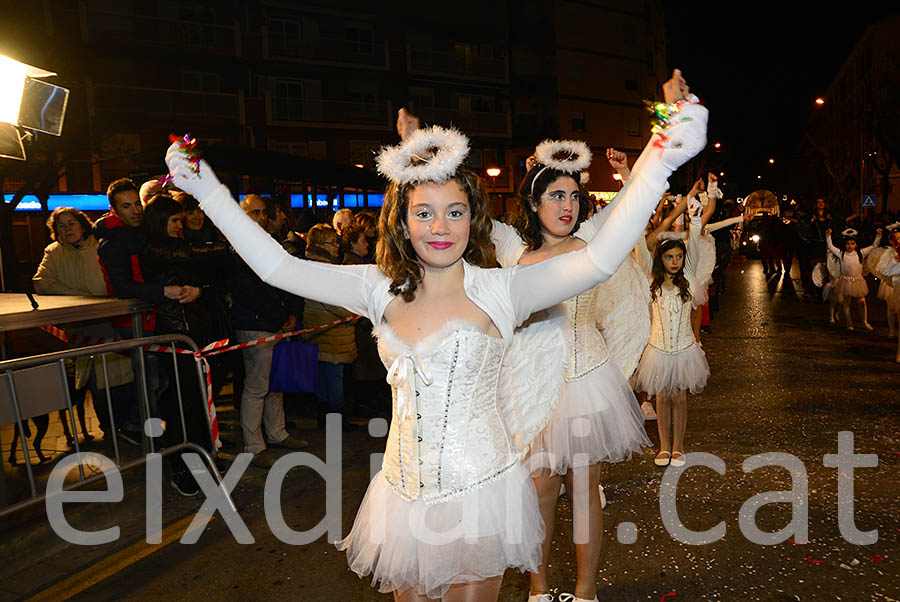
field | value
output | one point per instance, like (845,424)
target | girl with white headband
(851,285)
(452,507)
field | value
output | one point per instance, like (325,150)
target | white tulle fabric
(407,544)
(880,261)
(706,263)
(598,419)
(851,287)
(659,371)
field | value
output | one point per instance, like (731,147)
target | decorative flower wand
(188,145)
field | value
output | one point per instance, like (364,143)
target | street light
(493,171)
(718,145)
(722,174)
(771,161)
(820,101)
(617,177)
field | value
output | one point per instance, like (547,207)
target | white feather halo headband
(892,227)
(662,236)
(428,155)
(849,232)
(568,156)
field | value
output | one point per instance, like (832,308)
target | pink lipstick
(440,245)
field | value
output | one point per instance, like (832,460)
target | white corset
(447,435)
(670,329)
(587,348)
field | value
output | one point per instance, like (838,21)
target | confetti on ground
(876,558)
(814,561)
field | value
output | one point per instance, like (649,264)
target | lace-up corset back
(587,348)
(452,438)
(670,329)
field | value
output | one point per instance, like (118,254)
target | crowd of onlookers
(156,245)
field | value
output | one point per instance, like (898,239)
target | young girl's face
(558,207)
(673,260)
(438,219)
(895,240)
(850,246)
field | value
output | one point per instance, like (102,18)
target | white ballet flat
(602,497)
(540,598)
(572,598)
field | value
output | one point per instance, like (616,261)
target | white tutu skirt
(851,287)
(596,420)
(660,371)
(429,547)
(890,295)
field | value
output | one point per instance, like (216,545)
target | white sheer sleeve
(346,286)
(831,247)
(871,247)
(692,258)
(507,242)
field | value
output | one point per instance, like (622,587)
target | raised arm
(692,258)
(507,242)
(347,286)
(667,221)
(874,244)
(830,245)
(547,283)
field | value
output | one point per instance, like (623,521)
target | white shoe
(602,497)
(540,598)
(572,598)
(649,412)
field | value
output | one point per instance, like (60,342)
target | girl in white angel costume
(673,363)
(851,285)
(452,507)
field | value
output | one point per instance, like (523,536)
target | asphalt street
(782,381)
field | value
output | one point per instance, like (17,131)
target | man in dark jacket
(259,310)
(121,242)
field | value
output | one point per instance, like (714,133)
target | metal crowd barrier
(10,369)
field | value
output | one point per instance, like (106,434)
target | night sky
(759,67)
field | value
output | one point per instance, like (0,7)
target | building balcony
(447,64)
(129,30)
(164,106)
(329,113)
(474,123)
(326,51)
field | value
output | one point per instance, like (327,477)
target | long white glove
(683,140)
(199,185)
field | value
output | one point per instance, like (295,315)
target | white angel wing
(834,266)
(623,313)
(872,259)
(705,266)
(533,375)
(887,262)
(820,275)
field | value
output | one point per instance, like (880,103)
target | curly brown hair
(525,218)
(394,252)
(658,272)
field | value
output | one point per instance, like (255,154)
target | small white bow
(402,376)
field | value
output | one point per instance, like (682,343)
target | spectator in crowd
(70,267)
(259,310)
(790,238)
(197,229)
(200,314)
(342,218)
(295,243)
(276,219)
(368,221)
(812,245)
(354,244)
(337,345)
(120,244)
(149,189)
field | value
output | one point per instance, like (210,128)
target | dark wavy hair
(525,218)
(658,273)
(84,220)
(159,209)
(394,252)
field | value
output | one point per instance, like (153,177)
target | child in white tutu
(453,506)
(852,286)
(673,363)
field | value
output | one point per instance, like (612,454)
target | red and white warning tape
(212,349)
